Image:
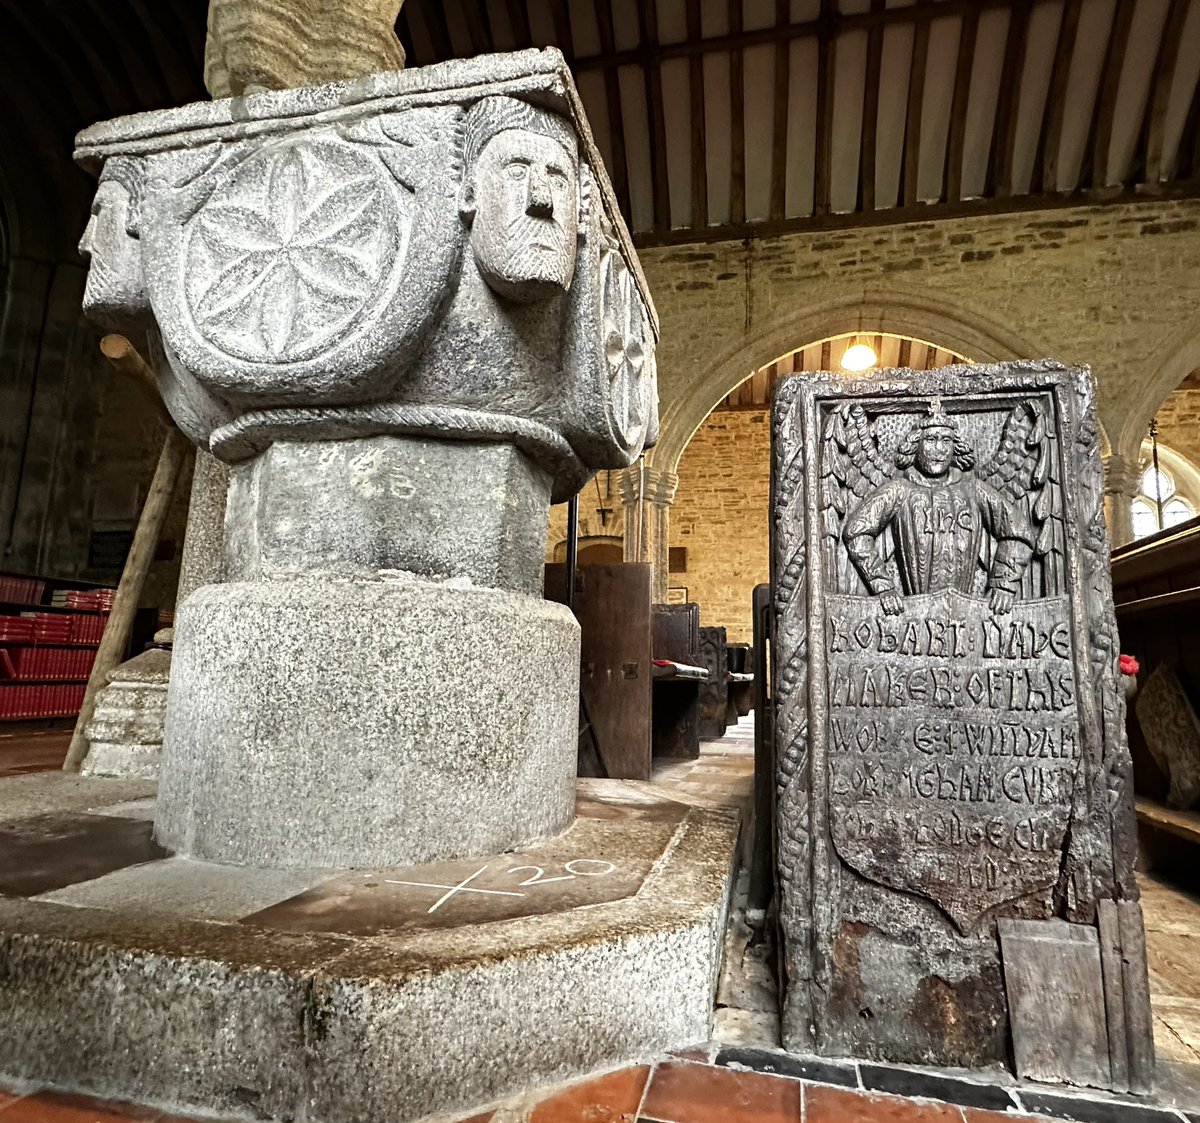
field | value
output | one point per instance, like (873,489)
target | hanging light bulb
(859,356)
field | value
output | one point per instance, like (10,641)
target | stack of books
(16,629)
(41,701)
(86,600)
(22,590)
(42,663)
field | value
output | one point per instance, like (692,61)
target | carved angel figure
(932,519)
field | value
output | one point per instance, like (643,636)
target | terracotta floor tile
(609,1099)
(838,1105)
(683,1092)
(53,1107)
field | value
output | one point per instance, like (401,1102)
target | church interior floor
(741,1075)
(25,748)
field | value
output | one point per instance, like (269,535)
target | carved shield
(953,747)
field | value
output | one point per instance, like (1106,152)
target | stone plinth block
(362,996)
(126,731)
(950,729)
(351,723)
(466,509)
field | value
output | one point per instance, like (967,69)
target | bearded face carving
(520,197)
(114,295)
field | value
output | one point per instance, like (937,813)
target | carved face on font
(115,293)
(521,197)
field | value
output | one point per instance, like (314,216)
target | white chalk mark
(590,861)
(537,878)
(462,887)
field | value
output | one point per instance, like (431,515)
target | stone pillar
(406,319)
(1121,479)
(647,493)
(203,561)
(280,44)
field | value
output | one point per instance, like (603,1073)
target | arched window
(1156,486)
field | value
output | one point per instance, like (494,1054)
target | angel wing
(851,466)
(1024,469)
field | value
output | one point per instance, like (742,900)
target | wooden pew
(740,658)
(678,676)
(612,605)
(1156,590)
(715,692)
(762,861)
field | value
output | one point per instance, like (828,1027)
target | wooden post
(123,355)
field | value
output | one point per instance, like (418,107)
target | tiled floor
(24,749)
(673,1091)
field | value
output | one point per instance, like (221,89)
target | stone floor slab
(590,864)
(181,887)
(38,793)
(48,851)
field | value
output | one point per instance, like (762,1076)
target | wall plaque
(949,730)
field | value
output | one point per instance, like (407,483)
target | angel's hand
(892,604)
(1001,601)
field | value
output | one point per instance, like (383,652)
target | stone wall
(1179,423)
(1115,286)
(720,517)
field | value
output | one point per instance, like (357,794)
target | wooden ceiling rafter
(164,53)
(1054,110)
(43,44)
(655,111)
(737,122)
(1187,165)
(128,50)
(999,179)
(755,391)
(956,143)
(921,212)
(870,125)
(779,117)
(1100,137)
(113,84)
(561,15)
(518,18)
(911,159)
(612,98)
(826,79)
(698,123)
(676,198)
(742,39)
(480,29)
(1154,126)
(439,29)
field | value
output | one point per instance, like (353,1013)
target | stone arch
(594,549)
(1174,360)
(916,314)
